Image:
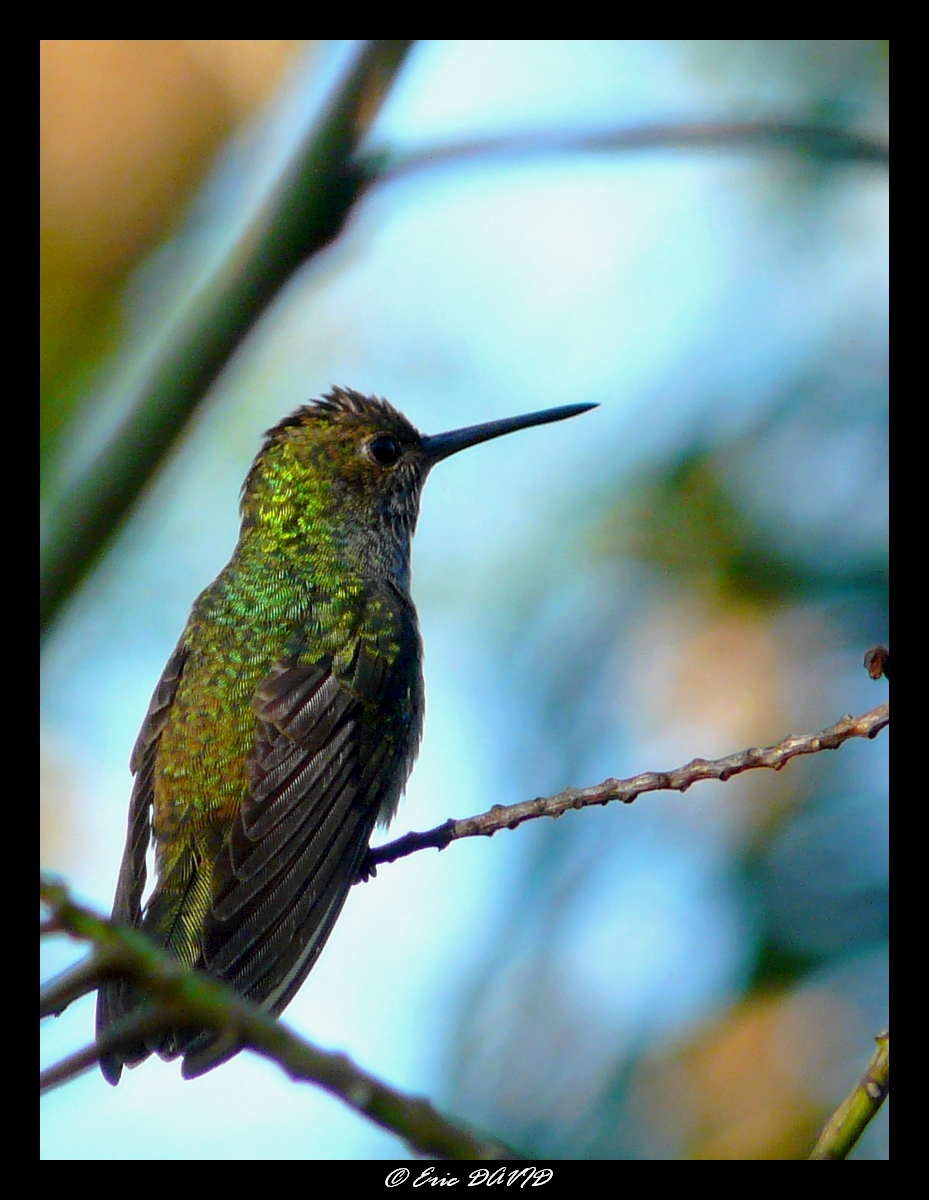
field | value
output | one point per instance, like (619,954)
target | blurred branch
(851,1118)
(823,143)
(306,212)
(64,989)
(194,998)
(129,1032)
(626,791)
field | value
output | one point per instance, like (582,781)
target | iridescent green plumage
(287,719)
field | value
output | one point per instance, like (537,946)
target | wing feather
(116,998)
(260,864)
(285,930)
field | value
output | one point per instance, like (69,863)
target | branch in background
(626,790)
(851,1118)
(306,212)
(64,989)
(129,1032)
(193,998)
(819,142)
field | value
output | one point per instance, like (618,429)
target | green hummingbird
(288,717)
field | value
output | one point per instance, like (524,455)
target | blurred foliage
(842,80)
(701,517)
(685,522)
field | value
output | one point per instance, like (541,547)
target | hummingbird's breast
(254,621)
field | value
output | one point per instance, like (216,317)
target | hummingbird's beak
(441,445)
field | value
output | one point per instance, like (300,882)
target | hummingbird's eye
(384,450)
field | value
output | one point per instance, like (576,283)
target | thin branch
(196,999)
(509,816)
(820,142)
(851,1118)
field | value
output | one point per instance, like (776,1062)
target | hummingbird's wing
(334,746)
(116,997)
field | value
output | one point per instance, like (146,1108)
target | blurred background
(695,567)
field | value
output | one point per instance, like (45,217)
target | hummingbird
(286,722)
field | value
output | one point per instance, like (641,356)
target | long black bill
(441,445)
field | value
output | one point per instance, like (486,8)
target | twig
(626,791)
(822,142)
(851,1118)
(195,999)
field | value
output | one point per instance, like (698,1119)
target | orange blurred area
(707,675)
(127,130)
(747,1088)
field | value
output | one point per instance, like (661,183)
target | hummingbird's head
(347,472)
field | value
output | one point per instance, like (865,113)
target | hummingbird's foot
(368,868)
